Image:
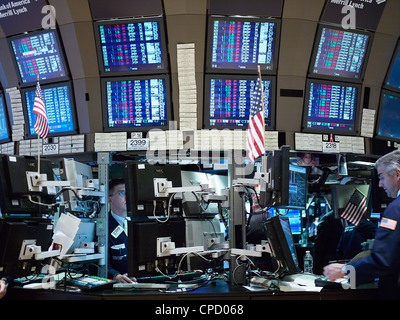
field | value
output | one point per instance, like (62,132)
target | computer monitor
(14,189)
(131,46)
(331,107)
(241,44)
(136,103)
(288,182)
(139,182)
(392,80)
(5,134)
(39,54)
(294,215)
(227,101)
(13,233)
(387,124)
(59,101)
(340,54)
(281,242)
(142,247)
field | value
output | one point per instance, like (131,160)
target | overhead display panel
(134,46)
(387,125)
(4,120)
(340,54)
(240,45)
(39,55)
(392,80)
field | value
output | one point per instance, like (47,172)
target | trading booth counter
(218,290)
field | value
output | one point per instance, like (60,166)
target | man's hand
(333,271)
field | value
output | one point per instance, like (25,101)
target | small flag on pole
(41,125)
(255,134)
(355,209)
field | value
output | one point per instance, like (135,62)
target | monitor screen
(135,46)
(227,101)
(240,45)
(294,216)
(139,103)
(387,125)
(59,101)
(331,107)
(4,120)
(142,247)
(339,53)
(392,80)
(39,54)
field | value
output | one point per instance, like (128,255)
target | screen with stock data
(39,54)
(135,103)
(339,53)
(60,108)
(228,100)
(242,44)
(331,107)
(4,127)
(393,76)
(131,46)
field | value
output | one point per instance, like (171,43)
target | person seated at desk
(117,235)
(384,260)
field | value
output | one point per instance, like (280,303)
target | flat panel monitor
(14,188)
(392,80)
(60,108)
(280,238)
(294,216)
(228,98)
(39,54)
(134,46)
(331,107)
(141,199)
(387,125)
(5,134)
(136,103)
(13,233)
(340,54)
(240,45)
(142,247)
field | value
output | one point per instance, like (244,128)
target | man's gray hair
(389,161)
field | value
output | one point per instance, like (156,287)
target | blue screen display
(4,133)
(132,46)
(59,108)
(294,216)
(331,107)
(393,79)
(389,116)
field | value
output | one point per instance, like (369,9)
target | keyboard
(143,286)
(188,276)
(91,283)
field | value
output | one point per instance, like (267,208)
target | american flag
(41,125)
(355,208)
(255,134)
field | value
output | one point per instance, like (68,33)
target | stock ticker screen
(59,108)
(228,100)
(132,46)
(39,54)
(393,76)
(340,53)
(131,103)
(4,134)
(330,107)
(389,116)
(242,45)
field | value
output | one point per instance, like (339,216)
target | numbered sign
(50,148)
(330,143)
(137,144)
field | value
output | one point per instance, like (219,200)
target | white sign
(51,148)
(137,144)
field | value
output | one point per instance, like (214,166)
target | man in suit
(117,236)
(384,260)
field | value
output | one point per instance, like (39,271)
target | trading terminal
(159,93)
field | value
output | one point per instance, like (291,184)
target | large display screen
(240,45)
(39,54)
(131,46)
(387,126)
(228,98)
(60,108)
(4,123)
(393,76)
(331,107)
(340,53)
(136,103)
